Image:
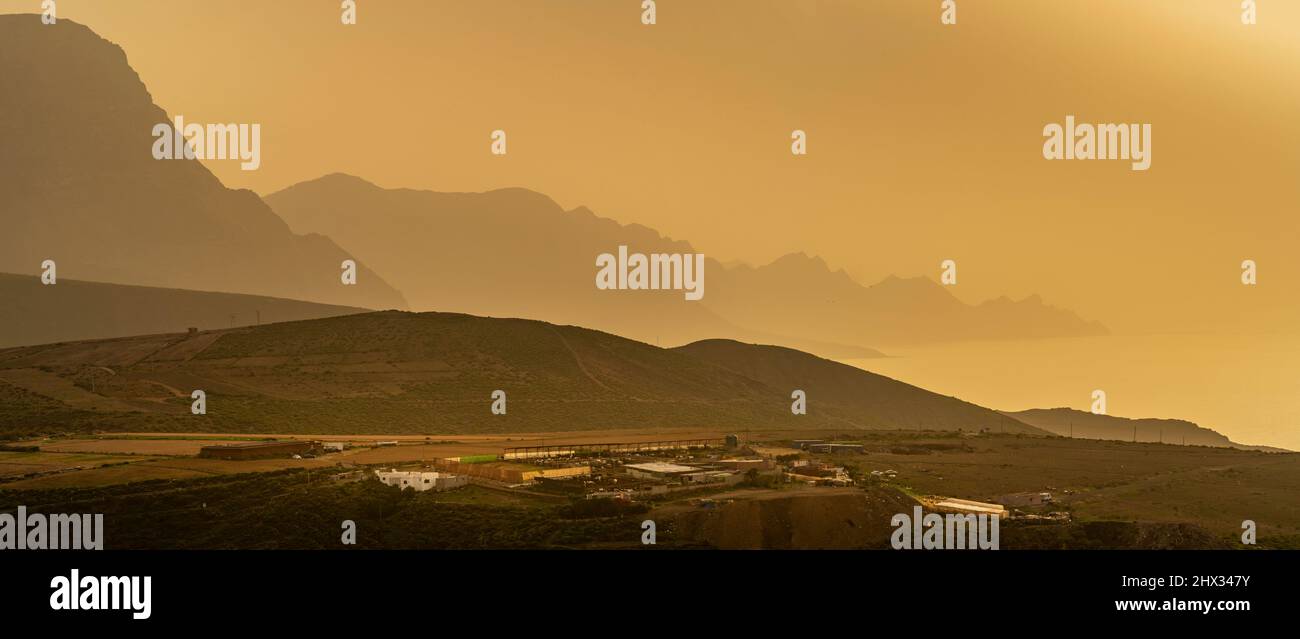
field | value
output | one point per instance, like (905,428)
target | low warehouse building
(728,477)
(746,464)
(258,450)
(555,473)
(660,470)
(511,473)
(421,482)
(835,448)
(966,506)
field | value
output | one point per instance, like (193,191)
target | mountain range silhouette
(514,252)
(81,187)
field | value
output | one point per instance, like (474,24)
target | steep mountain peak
(801,259)
(1033,299)
(796,295)
(919,290)
(917,282)
(525,199)
(513,198)
(81,185)
(339,179)
(802,264)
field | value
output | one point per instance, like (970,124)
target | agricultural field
(121,458)
(23,463)
(1116,494)
(172,447)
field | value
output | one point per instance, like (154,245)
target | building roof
(661,467)
(968,506)
(411,473)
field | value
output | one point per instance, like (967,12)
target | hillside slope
(80,186)
(398,372)
(1068,422)
(73,310)
(841,389)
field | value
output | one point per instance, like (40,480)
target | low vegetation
(297,509)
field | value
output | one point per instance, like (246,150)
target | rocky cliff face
(80,186)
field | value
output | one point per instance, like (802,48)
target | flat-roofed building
(966,506)
(509,472)
(421,481)
(258,450)
(746,464)
(660,470)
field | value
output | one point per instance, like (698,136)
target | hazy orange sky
(924,140)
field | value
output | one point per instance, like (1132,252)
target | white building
(659,470)
(419,481)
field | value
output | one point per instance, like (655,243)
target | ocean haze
(1243,386)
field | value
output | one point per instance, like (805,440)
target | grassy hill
(76,310)
(399,372)
(849,393)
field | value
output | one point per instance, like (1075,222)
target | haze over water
(1245,386)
